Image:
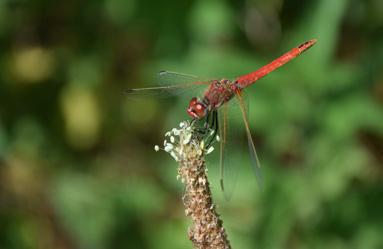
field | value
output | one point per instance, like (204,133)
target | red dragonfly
(219,92)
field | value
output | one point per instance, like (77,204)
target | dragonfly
(220,92)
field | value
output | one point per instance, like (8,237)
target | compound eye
(199,107)
(196,109)
(193,101)
(200,110)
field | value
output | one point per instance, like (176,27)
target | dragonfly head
(197,109)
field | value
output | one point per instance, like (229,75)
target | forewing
(170,84)
(174,78)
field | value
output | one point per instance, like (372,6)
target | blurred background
(77,165)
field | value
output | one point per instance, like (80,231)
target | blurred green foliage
(77,166)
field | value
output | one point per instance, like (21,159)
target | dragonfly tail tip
(306,45)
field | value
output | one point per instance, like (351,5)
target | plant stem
(207,230)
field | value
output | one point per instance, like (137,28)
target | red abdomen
(250,78)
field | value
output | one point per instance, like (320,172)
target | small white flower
(210,150)
(187,138)
(176,132)
(179,150)
(178,137)
(202,144)
(174,156)
(168,147)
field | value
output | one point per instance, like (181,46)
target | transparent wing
(230,144)
(174,78)
(253,153)
(223,137)
(170,84)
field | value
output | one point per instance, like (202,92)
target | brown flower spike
(187,147)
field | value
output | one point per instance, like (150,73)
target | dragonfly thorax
(218,93)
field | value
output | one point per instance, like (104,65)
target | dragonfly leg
(193,122)
(209,127)
(215,126)
(201,130)
(202,126)
(206,125)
